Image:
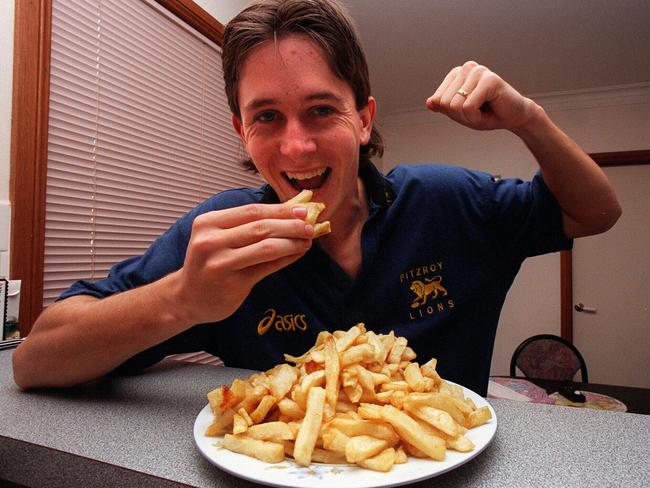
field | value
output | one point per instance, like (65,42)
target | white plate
(289,474)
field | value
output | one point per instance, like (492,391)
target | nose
(297,140)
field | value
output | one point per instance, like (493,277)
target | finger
(237,216)
(260,230)
(433,102)
(479,98)
(266,252)
(470,104)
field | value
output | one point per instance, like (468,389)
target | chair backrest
(549,357)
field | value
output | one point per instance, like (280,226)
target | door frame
(606,159)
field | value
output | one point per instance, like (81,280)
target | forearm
(82,338)
(587,199)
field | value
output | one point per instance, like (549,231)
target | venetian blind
(139,133)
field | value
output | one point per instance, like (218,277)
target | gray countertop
(137,431)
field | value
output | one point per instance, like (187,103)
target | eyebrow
(257,103)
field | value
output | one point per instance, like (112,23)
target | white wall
(222,10)
(6,70)
(608,119)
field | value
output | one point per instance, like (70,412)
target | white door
(611,274)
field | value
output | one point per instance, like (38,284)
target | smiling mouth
(307,180)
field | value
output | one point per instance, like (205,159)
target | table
(637,400)
(137,431)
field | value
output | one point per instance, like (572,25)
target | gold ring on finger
(463,93)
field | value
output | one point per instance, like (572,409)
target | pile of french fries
(355,397)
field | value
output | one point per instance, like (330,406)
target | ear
(236,123)
(367,115)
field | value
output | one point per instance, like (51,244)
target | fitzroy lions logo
(431,287)
(427,289)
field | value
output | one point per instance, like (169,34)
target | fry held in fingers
(355,397)
(314,209)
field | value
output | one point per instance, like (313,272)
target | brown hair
(326,22)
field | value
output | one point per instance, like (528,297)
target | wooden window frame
(605,159)
(28,171)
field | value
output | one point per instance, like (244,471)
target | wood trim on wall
(623,158)
(28,173)
(566,295)
(31,83)
(606,159)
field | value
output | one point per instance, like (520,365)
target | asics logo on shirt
(282,323)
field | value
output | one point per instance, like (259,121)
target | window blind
(139,133)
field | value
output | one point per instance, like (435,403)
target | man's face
(299,122)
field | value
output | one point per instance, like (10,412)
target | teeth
(304,175)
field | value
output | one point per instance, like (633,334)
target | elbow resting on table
(21,376)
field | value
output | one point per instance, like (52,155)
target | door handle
(581,308)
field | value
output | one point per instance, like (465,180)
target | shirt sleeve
(527,218)
(165,255)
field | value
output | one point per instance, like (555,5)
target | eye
(322,110)
(266,116)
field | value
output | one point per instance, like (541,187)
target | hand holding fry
(355,397)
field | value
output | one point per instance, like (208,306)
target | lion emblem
(432,288)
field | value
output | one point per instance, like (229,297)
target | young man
(428,251)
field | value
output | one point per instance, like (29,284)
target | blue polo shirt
(440,249)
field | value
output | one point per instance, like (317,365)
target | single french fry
(263,408)
(395,385)
(221,424)
(244,414)
(414,378)
(461,444)
(269,452)
(353,392)
(381,462)
(366,379)
(303,197)
(408,354)
(395,354)
(310,428)
(356,354)
(271,431)
(282,378)
(352,428)
(348,338)
(363,447)
(332,371)
(437,418)
(412,432)
(437,400)
(322,228)
(370,411)
(314,209)
(290,409)
(239,425)
(335,440)
(478,417)
(400,455)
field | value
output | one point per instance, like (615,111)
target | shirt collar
(379,190)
